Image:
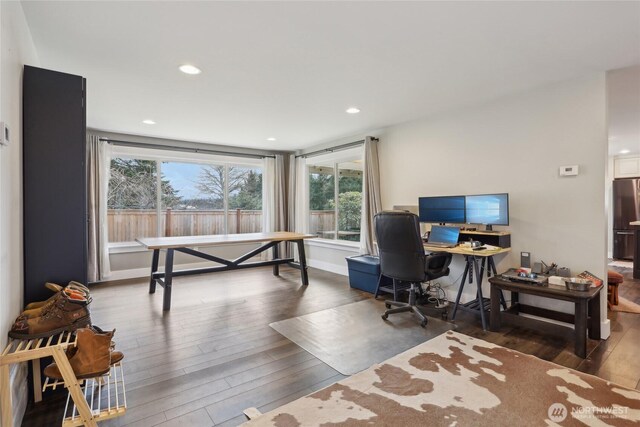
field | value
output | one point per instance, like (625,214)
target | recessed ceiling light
(625,151)
(353,110)
(189,69)
(148,122)
(271,139)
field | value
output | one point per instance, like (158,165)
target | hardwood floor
(214,354)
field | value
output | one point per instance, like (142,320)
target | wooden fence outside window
(125,225)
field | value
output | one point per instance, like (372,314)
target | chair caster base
(385,316)
(387,305)
(424,323)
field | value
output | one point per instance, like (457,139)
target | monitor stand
(489,229)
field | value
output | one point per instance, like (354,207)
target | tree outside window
(195,199)
(325,216)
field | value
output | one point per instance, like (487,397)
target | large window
(156,197)
(335,198)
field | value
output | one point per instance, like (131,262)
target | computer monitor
(488,209)
(442,210)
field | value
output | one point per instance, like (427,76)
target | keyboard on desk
(439,245)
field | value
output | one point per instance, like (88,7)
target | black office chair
(402,258)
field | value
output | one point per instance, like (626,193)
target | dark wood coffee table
(587,303)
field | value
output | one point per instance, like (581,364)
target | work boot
(70,293)
(51,286)
(65,314)
(116,356)
(76,286)
(92,357)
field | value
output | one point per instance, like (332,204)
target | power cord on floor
(436,294)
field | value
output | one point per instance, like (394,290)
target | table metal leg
(168,273)
(495,308)
(303,263)
(581,328)
(276,255)
(483,316)
(154,269)
(462,282)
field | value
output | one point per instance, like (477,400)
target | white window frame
(159,156)
(335,159)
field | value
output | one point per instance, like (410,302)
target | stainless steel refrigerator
(626,208)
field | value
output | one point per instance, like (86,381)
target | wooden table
(477,262)
(587,311)
(185,244)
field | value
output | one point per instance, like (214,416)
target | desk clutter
(83,354)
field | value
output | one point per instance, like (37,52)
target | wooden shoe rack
(89,401)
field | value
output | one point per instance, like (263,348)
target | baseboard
(327,266)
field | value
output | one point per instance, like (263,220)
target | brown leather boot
(52,287)
(32,309)
(65,314)
(116,356)
(70,293)
(92,357)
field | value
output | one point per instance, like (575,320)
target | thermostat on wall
(4,134)
(569,170)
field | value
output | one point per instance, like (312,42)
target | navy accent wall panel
(55,176)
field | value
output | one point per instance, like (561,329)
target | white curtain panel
(301,196)
(371,200)
(268,194)
(280,195)
(105,168)
(268,198)
(273,196)
(291,194)
(99,165)
(291,202)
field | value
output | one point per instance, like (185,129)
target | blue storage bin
(364,271)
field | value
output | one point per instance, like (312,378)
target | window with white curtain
(156,193)
(335,195)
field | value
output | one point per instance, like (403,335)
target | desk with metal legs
(476,263)
(185,244)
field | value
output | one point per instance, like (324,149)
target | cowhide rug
(456,380)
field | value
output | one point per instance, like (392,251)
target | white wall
(516,145)
(17,49)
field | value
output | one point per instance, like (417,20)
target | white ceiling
(290,69)
(623,98)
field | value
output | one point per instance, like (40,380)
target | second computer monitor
(489,209)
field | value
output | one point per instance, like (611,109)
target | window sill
(125,248)
(334,244)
